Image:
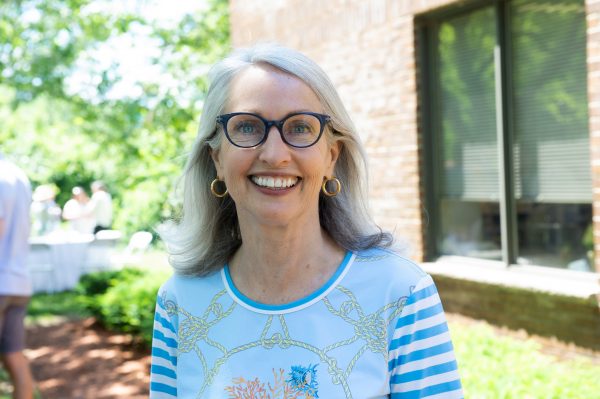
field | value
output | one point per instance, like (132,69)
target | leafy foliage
(64,119)
(123,300)
(46,307)
(92,286)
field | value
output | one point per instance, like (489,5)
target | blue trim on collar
(288,306)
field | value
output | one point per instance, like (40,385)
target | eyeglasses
(300,130)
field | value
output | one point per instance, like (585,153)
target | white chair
(138,244)
(101,251)
(41,269)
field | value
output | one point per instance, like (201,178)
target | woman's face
(296,173)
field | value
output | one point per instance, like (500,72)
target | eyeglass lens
(298,130)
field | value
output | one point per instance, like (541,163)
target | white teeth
(274,182)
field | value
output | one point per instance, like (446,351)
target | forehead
(271,92)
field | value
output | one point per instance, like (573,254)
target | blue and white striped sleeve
(421,359)
(163,368)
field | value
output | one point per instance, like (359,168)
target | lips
(274,181)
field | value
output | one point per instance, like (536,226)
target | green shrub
(129,306)
(92,286)
(47,307)
(124,300)
(98,283)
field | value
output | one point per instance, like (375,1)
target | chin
(277,217)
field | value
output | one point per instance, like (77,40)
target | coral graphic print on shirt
(304,380)
(301,384)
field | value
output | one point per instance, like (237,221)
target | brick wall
(567,318)
(593,50)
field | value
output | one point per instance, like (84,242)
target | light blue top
(15,200)
(376,329)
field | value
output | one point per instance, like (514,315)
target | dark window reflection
(555,235)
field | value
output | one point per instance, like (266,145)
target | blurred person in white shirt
(15,285)
(44,210)
(100,207)
(75,212)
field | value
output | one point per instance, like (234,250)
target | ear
(215,155)
(333,153)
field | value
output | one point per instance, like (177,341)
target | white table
(56,261)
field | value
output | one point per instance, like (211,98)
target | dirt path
(80,360)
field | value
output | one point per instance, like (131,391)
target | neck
(277,265)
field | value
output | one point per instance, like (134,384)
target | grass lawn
(500,366)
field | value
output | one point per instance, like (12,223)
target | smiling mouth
(274,182)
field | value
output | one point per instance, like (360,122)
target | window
(508,132)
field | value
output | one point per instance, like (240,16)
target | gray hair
(208,233)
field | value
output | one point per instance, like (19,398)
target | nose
(274,151)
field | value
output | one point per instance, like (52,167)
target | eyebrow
(256,112)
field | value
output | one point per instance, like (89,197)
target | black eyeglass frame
(224,119)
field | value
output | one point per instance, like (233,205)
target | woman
(75,212)
(283,286)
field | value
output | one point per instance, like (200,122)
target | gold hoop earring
(213,190)
(337,190)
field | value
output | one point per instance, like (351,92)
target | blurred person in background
(74,211)
(100,207)
(44,210)
(15,285)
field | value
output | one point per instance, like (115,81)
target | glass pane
(553,184)
(470,229)
(557,235)
(551,151)
(466,140)
(467,143)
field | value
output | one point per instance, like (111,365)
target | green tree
(70,134)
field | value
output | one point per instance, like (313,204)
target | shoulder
(71,203)
(14,183)
(388,266)
(183,290)
(381,276)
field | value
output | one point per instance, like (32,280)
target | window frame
(426,31)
